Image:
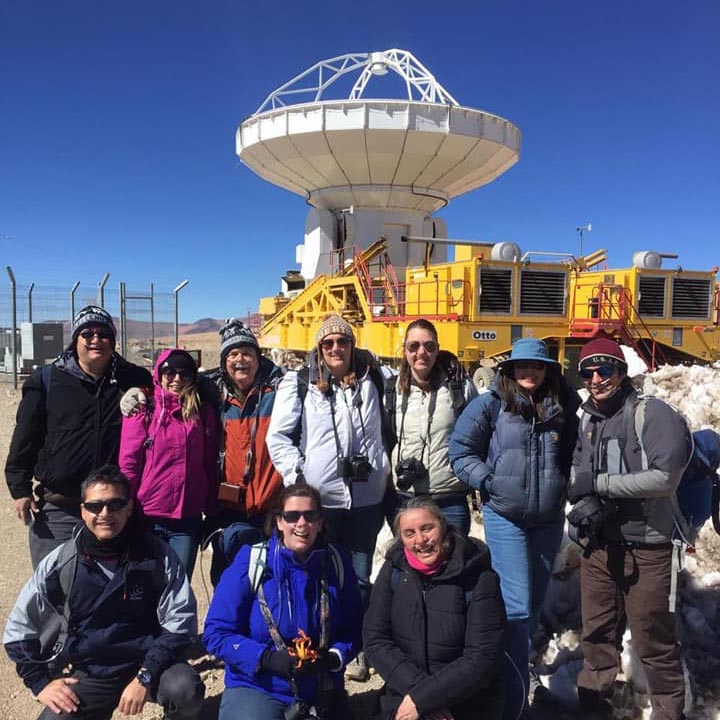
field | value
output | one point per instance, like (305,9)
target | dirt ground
(16,702)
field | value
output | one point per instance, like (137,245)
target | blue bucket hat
(529,349)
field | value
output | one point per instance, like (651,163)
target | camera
(299,710)
(356,468)
(408,472)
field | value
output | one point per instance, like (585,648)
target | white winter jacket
(317,453)
(429,442)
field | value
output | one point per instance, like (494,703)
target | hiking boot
(358,670)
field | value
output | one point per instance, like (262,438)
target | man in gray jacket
(623,508)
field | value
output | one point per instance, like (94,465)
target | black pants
(180,692)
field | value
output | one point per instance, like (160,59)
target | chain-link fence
(42,317)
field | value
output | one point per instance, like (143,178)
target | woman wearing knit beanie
(326,430)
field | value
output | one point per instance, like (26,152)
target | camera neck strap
(357,403)
(432,404)
(275,636)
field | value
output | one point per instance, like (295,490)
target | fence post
(72,304)
(30,289)
(175,296)
(123,311)
(152,321)
(11,275)
(101,290)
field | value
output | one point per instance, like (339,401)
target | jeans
(244,702)
(523,557)
(356,530)
(180,691)
(182,535)
(50,528)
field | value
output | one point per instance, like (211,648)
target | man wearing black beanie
(68,422)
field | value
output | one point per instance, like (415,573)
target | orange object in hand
(303,650)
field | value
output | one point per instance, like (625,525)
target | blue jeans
(244,702)
(182,535)
(523,557)
(356,530)
(454,507)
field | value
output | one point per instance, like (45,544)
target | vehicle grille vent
(691,298)
(542,292)
(495,291)
(652,296)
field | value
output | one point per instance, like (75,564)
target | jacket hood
(163,356)
(467,553)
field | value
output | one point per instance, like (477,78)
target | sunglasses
(100,334)
(328,343)
(292,516)
(97,506)
(604,371)
(430,346)
(170,374)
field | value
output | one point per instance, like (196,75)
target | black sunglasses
(430,346)
(292,516)
(604,371)
(170,373)
(114,505)
(101,334)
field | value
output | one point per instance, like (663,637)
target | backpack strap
(257,567)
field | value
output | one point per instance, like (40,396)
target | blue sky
(117,125)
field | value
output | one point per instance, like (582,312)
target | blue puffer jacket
(520,466)
(236,631)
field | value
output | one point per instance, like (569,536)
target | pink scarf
(421,567)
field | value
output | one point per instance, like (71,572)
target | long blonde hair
(189,400)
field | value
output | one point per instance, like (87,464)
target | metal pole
(30,289)
(72,303)
(123,310)
(101,290)
(175,295)
(14,324)
(152,321)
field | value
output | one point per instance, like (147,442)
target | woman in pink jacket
(169,452)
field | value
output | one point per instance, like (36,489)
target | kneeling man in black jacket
(105,616)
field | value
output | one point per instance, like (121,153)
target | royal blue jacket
(236,632)
(519,463)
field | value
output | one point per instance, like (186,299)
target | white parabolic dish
(378,153)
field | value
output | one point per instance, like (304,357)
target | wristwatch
(144,677)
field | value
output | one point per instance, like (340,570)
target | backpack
(54,634)
(454,379)
(698,495)
(389,439)
(258,568)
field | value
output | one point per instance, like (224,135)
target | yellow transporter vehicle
(490,295)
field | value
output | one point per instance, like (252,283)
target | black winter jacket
(67,429)
(440,639)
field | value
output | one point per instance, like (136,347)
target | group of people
(291,477)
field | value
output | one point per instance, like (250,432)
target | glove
(131,400)
(278,662)
(326,662)
(582,485)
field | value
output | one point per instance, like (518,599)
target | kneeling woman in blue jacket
(514,445)
(294,587)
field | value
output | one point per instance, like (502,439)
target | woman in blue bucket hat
(514,446)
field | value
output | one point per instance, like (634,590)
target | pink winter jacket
(171,464)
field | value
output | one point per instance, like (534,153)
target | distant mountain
(204,325)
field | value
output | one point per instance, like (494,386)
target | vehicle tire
(482,378)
